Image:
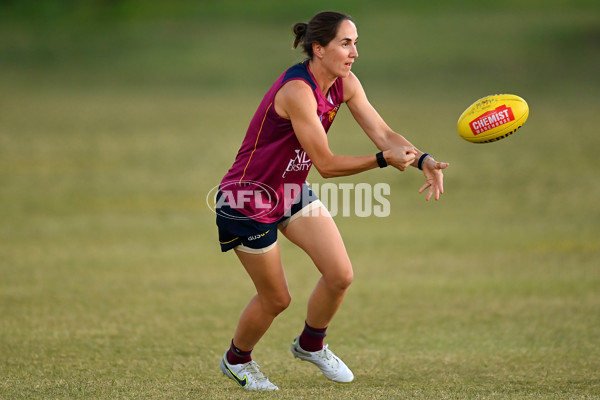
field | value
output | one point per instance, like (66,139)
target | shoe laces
(252,368)
(328,356)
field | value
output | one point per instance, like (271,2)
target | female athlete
(265,192)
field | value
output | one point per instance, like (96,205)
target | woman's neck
(323,79)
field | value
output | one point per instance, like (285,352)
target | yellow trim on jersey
(255,143)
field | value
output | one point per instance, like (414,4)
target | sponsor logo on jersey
(301,162)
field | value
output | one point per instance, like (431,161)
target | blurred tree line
(49,11)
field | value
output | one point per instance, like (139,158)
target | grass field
(116,121)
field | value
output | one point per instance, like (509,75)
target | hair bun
(299,30)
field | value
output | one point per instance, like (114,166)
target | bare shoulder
(295,87)
(352,87)
(293,95)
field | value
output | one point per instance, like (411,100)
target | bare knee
(341,279)
(277,303)
(345,280)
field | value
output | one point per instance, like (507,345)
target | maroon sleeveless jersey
(271,166)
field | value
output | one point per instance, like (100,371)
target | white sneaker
(247,375)
(332,367)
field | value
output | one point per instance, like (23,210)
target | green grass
(112,133)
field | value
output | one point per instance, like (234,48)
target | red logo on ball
(491,119)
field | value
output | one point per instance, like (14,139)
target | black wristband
(421,159)
(381,160)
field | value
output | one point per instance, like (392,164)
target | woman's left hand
(434,177)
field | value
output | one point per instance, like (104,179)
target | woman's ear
(317,50)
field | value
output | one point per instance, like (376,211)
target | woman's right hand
(400,157)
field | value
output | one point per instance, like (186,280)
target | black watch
(381,160)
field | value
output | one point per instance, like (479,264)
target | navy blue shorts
(252,236)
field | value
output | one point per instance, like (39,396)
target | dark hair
(321,29)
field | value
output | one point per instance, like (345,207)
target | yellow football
(492,118)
